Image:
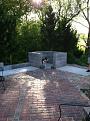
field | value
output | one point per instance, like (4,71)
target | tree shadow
(45,90)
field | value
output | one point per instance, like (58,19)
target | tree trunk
(88,41)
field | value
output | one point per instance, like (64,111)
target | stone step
(67,119)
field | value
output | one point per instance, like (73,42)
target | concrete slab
(75,70)
(48,66)
(18,70)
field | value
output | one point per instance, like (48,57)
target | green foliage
(7,32)
(28,39)
(82,60)
(78,52)
(70,58)
(48,29)
(67,8)
(17,38)
(10,12)
(66,37)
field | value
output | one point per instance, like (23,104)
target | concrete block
(57,59)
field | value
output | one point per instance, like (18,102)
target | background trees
(11,12)
(66,36)
(28,39)
(48,29)
(51,31)
(84,6)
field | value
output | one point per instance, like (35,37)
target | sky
(81,28)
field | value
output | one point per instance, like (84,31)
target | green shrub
(70,58)
(82,60)
(78,52)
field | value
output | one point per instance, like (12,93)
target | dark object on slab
(88,71)
(52,67)
(42,67)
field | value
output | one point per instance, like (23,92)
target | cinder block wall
(57,59)
(49,55)
(35,59)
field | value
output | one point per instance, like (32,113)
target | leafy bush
(70,58)
(78,52)
(82,60)
(28,39)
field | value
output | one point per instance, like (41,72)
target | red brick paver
(36,96)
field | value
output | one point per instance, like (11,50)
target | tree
(48,29)
(67,38)
(84,7)
(28,39)
(10,13)
(67,8)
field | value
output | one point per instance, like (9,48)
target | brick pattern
(35,96)
(80,82)
(67,119)
(22,94)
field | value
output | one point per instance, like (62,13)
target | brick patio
(35,96)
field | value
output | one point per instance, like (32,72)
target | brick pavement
(78,81)
(35,96)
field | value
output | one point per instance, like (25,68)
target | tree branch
(80,23)
(88,9)
(73,16)
(82,10)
